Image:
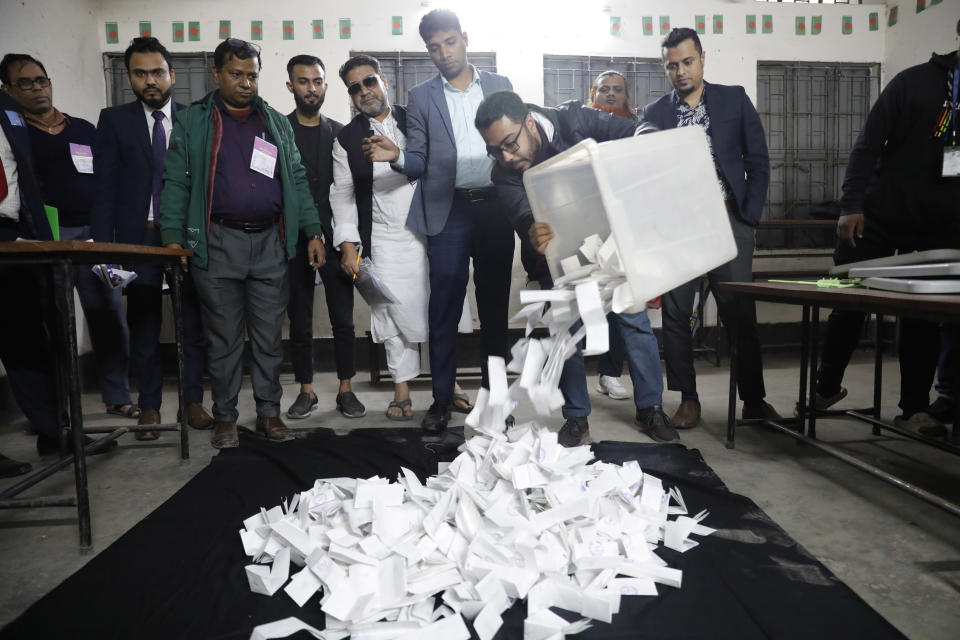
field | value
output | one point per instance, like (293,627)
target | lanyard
(955,106)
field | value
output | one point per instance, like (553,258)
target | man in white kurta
(398,255)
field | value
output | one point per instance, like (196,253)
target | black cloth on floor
(180,572)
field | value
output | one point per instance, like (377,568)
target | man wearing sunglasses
(236,193)
(521,136)
(455,204)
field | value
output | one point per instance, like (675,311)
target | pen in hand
(359,253)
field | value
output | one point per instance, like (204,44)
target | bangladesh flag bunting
(615,26)
(224,29)
(801,26)
(193,31)
(177,34)
(752,23)
(318,29)
(345,29)
(921,5)
(892,18)
(113,35)
(288,29)
(847,25)
(256,29)
(701,24)
(816,25)
(768,24)
(145,30)
(718,23)
(664,25)
(874,21)
(397,26)
(648,25)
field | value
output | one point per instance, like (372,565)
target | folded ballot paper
(516,516)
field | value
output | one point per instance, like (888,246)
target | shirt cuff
(345,232)
(398,163)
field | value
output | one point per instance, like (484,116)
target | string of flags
(189,31)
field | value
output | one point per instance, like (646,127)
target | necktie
(3,181)
(159,143)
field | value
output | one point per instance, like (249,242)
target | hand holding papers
(370,286)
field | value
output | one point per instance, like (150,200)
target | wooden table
(61,257)
(936,308)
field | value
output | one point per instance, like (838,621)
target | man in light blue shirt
(455,204)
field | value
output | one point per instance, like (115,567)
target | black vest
(351,139)
(320,171)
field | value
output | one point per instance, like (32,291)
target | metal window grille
(569,77)
(405,69)
(193,80)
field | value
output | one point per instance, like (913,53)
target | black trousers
(919,339)
(736,312)
(338,290)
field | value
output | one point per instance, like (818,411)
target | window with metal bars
(405,69)
(194,79)
(569,77)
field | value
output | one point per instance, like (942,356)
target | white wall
(917,35)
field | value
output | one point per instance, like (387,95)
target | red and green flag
(752,23)
(345,29)
(892,18)
(874,21)
(113,34)
(256,29)
(224,32)
(801,26)
(145,30)
(648,25)
(847,25)
(193,31)
(317,29)
(664,25)
(921,5)
(816,25)
(701,24)
(718,23)
(288,29)
(177,35)
(396,26)
(615,26)
(767,24)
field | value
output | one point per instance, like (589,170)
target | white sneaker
(608,385)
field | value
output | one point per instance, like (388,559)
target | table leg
(176,286)
(877,371)
(68,325)
(732,398)
(804,359)
(814,353)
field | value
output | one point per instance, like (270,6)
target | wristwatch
(315,236)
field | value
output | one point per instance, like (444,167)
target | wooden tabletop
(935,307)
(87,252)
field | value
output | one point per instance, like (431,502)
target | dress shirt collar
(476,81)
(167,110)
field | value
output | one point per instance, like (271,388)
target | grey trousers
(243,287)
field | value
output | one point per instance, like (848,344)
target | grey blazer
(431,153)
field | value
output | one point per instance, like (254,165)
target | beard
(373,109)
(308,108)
(154,103)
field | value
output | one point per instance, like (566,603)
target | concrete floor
(900,554)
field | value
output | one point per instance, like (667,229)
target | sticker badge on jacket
(15,119)
(264,157)
(82,156)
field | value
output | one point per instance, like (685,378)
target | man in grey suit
(455,204)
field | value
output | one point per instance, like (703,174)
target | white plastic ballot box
(658,193)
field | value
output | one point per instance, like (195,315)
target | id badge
(82,156)
(264,157)
(15,119)
(951,162)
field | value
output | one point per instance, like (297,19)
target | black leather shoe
(574,432)
(438,415)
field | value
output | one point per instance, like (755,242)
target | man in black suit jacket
(739,151)
(314,134)
(131,140)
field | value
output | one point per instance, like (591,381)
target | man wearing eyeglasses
(128,166)
(522,136)
(314,134)
(62,147)
(236,193)
(455,204)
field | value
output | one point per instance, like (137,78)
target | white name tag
(82,156)
(15,119)
(264,157)
(951,162)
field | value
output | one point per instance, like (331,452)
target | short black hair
(678,35)
(438,20)
(11,59)
(360,60)
(497,105)
(239,49)
(146,45)
(306,60)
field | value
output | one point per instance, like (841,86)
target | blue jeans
(573,377)
(643,358)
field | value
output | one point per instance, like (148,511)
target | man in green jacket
(235,192)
